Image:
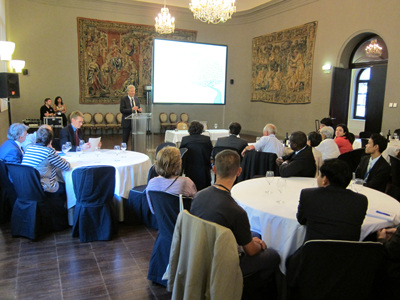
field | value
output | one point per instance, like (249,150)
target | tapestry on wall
(282,65)
(113,55)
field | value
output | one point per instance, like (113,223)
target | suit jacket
(196,162)
(378,176)
(125,108)
(67,134)
(300,165)
(332,213)
(10,152)
(232,141)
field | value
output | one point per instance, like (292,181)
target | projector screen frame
(222,83)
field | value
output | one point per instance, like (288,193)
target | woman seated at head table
(45,159)
(344,139)
(60,109)
(168,166)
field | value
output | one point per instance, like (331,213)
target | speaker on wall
(9,85)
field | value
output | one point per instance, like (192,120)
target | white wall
(46,38)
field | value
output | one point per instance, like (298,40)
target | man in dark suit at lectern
(128,105)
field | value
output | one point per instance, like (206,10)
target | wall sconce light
(327,68)
(18,65)
(6,50)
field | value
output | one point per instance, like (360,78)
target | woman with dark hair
(168,166)
(196,162)
(60,109)
(344,139)
(45,159)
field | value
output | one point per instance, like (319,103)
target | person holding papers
(73,132)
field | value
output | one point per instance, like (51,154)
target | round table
(131,170)
(277,223)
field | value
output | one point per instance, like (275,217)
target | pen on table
(382,213)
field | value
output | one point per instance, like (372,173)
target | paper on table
(94,142)
(375,213)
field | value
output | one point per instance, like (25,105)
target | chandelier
(164,23)
(213,11)
(373,49)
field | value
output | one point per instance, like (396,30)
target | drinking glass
(69,147)
(358,185)
(81,143)
(395,137)
(97,152)
(64,149)
(281,187)
(270,178)
(216,125)
(79,151)
(117,149)
(123,148)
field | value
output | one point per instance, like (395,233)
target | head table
(131,170)
(277,223)
(175,136)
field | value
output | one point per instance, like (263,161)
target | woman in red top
(344,139)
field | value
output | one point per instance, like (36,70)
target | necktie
(132,102)
(76,138)
(368,170)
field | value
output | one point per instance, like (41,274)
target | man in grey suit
(128,105)
(232,141)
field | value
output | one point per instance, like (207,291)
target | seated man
(373,168)
(313,140)
(45,159)
(11,151)
(300,162)
(331,211)
(325,122)
(268,143)
(328,147)
(31,138)
(232,141)
(46,110)
(73,132)
(215,204)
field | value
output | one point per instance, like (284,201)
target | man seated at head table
(46,110)
(73,133)
(267,143)
(232,141)
(373,168)
(215,204)
(328,147)
(45,159)
(299,163)
(10,150)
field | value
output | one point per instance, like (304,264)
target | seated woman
(45,159)
(197,162)
(344,139)
(60,109)
(168,166)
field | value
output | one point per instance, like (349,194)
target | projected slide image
(189,73)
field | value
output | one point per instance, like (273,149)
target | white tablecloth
(131,171)
(175,136)
(391,149)
(277,223)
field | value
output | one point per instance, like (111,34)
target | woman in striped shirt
(45,159)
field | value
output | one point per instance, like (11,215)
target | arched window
(361,93)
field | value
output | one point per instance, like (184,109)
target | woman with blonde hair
(168,166)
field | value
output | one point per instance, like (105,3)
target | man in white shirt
(328,147)
(268,143)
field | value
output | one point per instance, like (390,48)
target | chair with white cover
(87,122)
(110,121)
(99,122)
(204,261)
(329,269)
(166,208)
(173,119)
(94,216)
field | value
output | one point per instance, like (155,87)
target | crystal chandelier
(213,11)
(373,49)
(164,23)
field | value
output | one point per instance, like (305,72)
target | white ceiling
(240,4)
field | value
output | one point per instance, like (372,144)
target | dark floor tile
(127,290)
(40,289)
(77,263)
(83,279)
(8,269)
(7,288)
(95,292)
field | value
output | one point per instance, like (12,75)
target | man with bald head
(268,143)
(299,163)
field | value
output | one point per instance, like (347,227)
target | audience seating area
(171,121)
(99,123)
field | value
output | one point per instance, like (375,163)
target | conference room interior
(117,269)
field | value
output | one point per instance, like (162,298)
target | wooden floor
(58,266)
